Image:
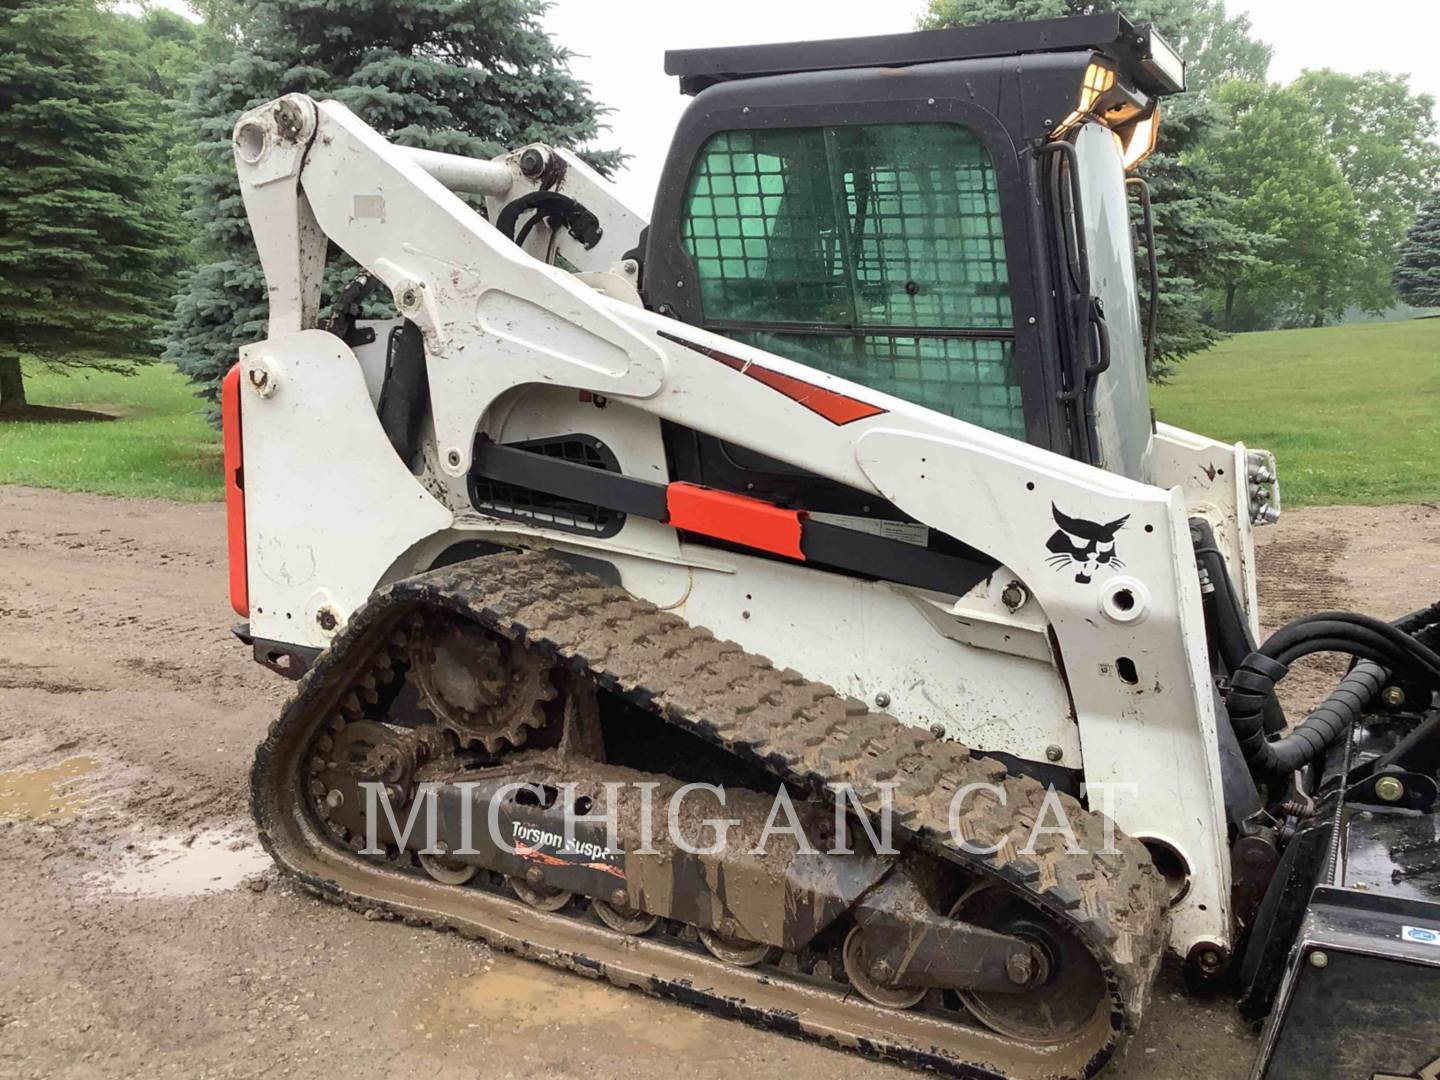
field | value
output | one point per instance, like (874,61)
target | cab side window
(874,252)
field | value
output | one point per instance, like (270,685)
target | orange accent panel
(234,492)
(833,406)
(740,520)
(837,408)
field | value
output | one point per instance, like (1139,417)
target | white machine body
(1108,677)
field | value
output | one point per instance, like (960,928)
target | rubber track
(803,732)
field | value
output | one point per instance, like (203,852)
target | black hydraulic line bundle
(1380,649)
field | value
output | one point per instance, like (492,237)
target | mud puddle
(47,795)
(208,861)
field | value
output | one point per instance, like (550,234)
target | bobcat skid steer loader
(786,603)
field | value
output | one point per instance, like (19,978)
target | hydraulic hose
(1379,647)
(1225,623)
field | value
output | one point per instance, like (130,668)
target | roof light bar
(1161,61)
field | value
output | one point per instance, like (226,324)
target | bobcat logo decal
(1085,545)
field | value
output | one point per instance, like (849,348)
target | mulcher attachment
(513,749)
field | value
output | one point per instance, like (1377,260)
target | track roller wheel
(624,919)
(734,950)
(1069,989)
(890,997)
(447,871)
(542,897)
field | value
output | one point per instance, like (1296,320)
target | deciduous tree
(1382,135)
(1274,161)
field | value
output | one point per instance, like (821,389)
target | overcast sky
(620,46)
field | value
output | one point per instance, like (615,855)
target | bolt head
(938,730)
(532,162)
(1054,753)
(534,875)
(1394,696)
(882,700)
(288,120)
(620,898)
(1389,789)
(1019,968)
(1319,960)
(334,798)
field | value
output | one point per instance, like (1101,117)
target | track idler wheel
(1064,995)
(858,971)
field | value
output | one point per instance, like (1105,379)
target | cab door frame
(1011,124)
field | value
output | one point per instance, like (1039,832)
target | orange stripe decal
(735,518)
(838,408)
(234,492)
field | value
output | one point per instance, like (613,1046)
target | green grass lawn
(161,445)
(1352,413)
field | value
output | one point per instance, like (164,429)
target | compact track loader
(786,602)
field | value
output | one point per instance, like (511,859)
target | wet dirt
(143,935)
(47,794)
(208,861)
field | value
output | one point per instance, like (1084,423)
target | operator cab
(942,215)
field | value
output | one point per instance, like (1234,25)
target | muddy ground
(142,934)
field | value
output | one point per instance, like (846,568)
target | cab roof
(1108,33)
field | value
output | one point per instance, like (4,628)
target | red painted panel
(736,518)
(833,406)
(234,492)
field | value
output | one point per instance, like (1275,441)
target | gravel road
(143,934)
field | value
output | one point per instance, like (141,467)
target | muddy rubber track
(799,730)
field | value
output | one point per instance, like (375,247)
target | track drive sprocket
(487,692)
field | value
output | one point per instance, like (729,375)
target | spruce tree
(83,244)
(471,77)
(1417,274)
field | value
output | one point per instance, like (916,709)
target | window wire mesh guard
(827,245)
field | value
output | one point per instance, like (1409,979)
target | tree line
(1275,205)
(123,238)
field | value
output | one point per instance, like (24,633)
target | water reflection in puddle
(46,794)
(208,861)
